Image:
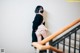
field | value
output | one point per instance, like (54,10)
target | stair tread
(72,43)
(66,49)
(70,46)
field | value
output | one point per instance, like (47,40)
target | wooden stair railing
(40,45)
(45,47)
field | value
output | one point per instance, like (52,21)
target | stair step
(67,49)
(77,37)
(70,46)
(72,43)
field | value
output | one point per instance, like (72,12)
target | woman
(38,20)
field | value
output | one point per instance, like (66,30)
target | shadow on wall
(46,21)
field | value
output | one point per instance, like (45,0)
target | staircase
(68,43)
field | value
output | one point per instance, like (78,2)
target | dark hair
(38,8)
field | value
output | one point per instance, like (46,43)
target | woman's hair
(38,8)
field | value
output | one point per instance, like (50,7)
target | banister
(47,39)
(45,47)
(40,45)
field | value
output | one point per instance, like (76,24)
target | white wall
(16,18)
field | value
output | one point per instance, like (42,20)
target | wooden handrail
(59,32)
(44,47)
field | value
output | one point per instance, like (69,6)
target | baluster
(50,43)
(75,42)
(69,43)
(64,45)
(58,46)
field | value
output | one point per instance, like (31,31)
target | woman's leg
(38,36)
(44,33)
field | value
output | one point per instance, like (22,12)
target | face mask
(41,11)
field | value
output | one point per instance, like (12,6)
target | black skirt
(34,37)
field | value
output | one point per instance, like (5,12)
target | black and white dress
(37,21)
